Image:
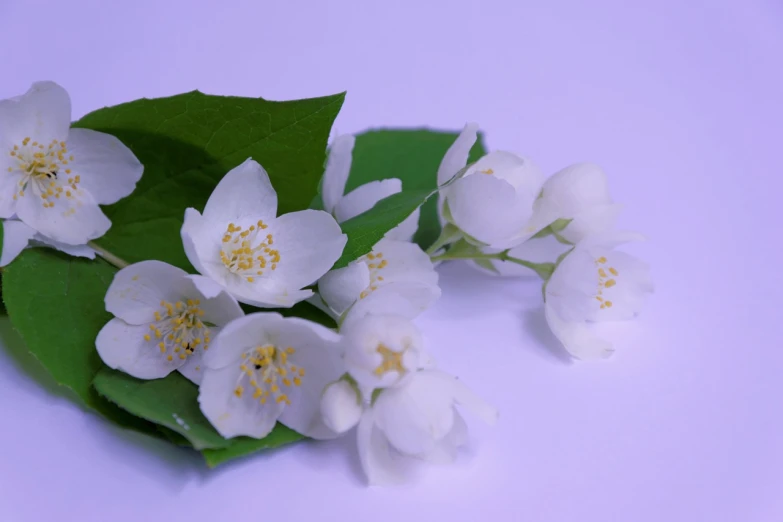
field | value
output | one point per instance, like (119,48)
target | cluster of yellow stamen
(605,280)
(178,330)
(488,171)
(268,372)
(391,361)
(45,169)
(249,252)
(375,263)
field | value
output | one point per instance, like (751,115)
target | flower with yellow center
(397,276)
(381,350)
(261,259)
(264,368)
(53,177)
(163,322)
(595,283)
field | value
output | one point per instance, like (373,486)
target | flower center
(376,264)
(44,170)
(606,279)
(248,252)
(178,329)
(269,372)
(391,362)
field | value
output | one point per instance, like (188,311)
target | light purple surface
(679,101)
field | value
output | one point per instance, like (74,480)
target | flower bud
(341,406)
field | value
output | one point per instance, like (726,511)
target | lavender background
(679,101)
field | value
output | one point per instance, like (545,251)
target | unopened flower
(162,323)
(261,259)
(52,177)
(396,270)
(595,283)
(490,201)
(341,406)
(363,198)
(417,419)
(580,194)
(266,368)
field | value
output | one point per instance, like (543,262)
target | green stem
(108,256)
(449,234)
(544,270)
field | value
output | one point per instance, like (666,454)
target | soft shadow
(547,345)
(322,454)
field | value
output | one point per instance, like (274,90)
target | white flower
(395,270)
(52,177)
(491,201)
(17,236)
(381,350)
(595,283)
(417,419)
(162,321)
(341,406)
(362,198)
(260,259)
(266,368)
(579,193)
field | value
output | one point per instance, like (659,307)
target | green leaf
(56,304)
(412,155)
(171,402)
(242,446)
(188,142)
(368,228)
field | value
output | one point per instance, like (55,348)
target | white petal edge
(365,197)
(245,191)
(457,156)
(338,168)
(122,347)
(577,338)
(16,236)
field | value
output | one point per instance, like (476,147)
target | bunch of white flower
(372,372)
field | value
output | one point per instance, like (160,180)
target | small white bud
(341,406)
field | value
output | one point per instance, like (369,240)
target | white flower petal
(457,156)
(244,192)
(631,285)
(577,188)
(321,360)
(404,298)
(200,240)
(521,173)
(107,168)
(16,236)
(338,168)
(218,305)
(403,261)
(341,406)
(122,347)
(233,415)
(577,338)
(417,414)
(73,221)
(43,113)
(341,288)
(363,198)
(137,290)
(445,450)
(193,369)
(9,187)
(309,243)
(375,455)
(71,250)
(592,221)
(488,209)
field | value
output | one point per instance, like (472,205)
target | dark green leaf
(242,446)
(412,155)
(171,402)
(55,302)
(367,229)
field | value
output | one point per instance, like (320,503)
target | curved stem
(544,270)
(108,256)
